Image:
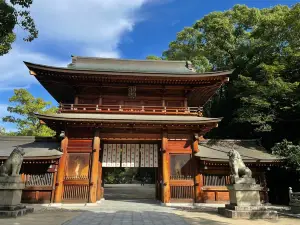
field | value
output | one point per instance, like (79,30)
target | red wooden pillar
(61,171)
(95,166)
(166,169)
(197,175)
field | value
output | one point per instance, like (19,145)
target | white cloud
(14,73)
(89,28)
(95,25)
(3,110)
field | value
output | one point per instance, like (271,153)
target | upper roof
(250,150)
(34,147)
(125,65)
(125,118)
(63,83)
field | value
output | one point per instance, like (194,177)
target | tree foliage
(153,57)
(15,13)
(23,110)
(262,48)
(289,151)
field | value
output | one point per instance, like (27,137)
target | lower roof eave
(113,118)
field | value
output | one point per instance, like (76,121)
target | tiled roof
(33,146)
(250,150)
(125,65)
(161,119)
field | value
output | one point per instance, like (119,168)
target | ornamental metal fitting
(132,92)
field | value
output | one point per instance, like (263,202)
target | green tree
(261,46)
(153,57)
(15,13)
(23,110)
(2,131)
(290,152)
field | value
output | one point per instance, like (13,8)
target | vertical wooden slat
(155,155)
(109,153)
(147,151)
(124,154)
(137,156)
(113,155)
(142,155)
(118,158)
(128,155)
(132,155)
(104,156)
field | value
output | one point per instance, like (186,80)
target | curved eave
(113,118)
(222,75)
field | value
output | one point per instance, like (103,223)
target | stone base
(244,194)
(10,197)
(247,212)
(295,208)
(14,211)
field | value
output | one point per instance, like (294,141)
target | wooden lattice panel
(130,155)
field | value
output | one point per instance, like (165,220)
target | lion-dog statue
(237,166)
(12,165)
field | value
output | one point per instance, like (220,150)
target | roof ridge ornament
(190,66)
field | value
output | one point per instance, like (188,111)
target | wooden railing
(45,179)
(92,108)
(215,180)
(75,192)
(182,190)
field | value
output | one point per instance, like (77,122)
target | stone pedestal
(10,197)
(245,201)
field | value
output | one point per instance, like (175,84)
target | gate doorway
(131,171)
(129,183)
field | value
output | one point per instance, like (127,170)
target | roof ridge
(138,60)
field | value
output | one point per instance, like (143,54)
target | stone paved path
(132,213)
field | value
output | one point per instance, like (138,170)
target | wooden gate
(77,173)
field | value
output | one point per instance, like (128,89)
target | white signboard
(104,156)
(123,155)
(130,155)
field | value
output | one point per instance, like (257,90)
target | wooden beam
(166,168)
(95,166)
(61,171)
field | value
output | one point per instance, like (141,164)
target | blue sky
(129,29)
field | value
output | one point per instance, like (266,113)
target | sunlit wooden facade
(130,113)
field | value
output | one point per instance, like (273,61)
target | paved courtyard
(131,212)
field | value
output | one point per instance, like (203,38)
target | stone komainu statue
(12,165)
(237,166)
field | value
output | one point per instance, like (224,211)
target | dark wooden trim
(38,188)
